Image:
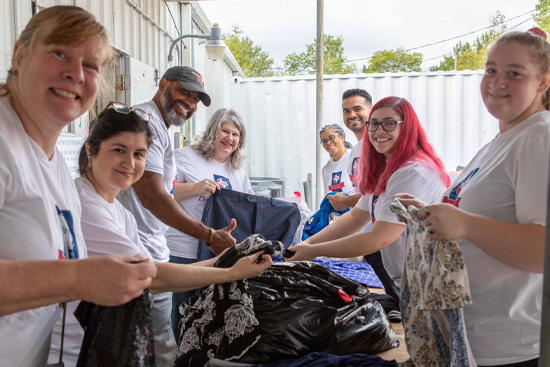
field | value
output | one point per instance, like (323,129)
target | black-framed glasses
(125,110)
(387,125)
(330,139)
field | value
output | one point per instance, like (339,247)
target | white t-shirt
(335,175)
(192,167)
(353,166)
(109,229)
(31,187)
(507,181)
(417,179)
(160,159)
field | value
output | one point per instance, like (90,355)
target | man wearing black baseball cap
(150,199)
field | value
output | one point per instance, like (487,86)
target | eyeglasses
(330,139)
(387,125)
(125,110)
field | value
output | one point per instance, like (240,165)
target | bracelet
(211,240)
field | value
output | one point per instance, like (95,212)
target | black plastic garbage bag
(304,307)
(116,336)
(291,310)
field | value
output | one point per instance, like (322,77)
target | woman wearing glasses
(213,162)
(398,159)
(335,171)
(112,159)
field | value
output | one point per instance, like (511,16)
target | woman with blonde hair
(212,163)
(55,75)
(496,208)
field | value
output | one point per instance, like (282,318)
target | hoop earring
(12,72)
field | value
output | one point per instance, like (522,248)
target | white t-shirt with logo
(160,159)
(109,229)
(507,181)
(192,167)
(417,179)
(335,175)
(32,189)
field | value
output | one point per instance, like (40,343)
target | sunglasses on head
(125,110)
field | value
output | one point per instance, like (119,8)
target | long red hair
(411,145)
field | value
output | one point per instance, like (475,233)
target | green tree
(468,56)
(394,60)
(542,15)
(253,60)
(334,58)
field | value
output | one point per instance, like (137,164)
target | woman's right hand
(206,187)
(112,280)
(407,199)
(302,251)
(250,266)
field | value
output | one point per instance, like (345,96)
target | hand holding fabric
(112,280)
(446,221)
(250,266)
(302,251)
(338,201)
(206,187)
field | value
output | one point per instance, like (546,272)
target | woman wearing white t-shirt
(212,163)
(496,208)
(112,159)
(54,77)
(397,158)
(335,171)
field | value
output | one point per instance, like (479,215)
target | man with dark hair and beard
(150,199)
(356,105)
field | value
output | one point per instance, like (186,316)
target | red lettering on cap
(199,78)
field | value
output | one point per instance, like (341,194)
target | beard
(169,107)
(356,129)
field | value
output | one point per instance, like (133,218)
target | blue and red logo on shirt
(174,185)
(223,182)
(373,206)
(336,185)
(453,197)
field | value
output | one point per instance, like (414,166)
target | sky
(281,27)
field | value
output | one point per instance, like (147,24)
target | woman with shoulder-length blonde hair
(212,163)
(55,75)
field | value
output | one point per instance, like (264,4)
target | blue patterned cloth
(359,271)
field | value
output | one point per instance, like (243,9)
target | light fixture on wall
(215,49)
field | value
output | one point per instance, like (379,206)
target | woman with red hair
(398,159)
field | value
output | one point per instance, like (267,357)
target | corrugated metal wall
(143,30)
(280,117)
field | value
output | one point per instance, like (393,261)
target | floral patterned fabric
(220,321)
(434,292)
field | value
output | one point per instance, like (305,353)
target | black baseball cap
(189,79)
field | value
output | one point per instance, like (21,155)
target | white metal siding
(280,117)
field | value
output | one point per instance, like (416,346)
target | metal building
(141,32)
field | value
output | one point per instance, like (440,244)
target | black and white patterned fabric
(220,321)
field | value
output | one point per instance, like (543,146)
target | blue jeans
(178,298)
